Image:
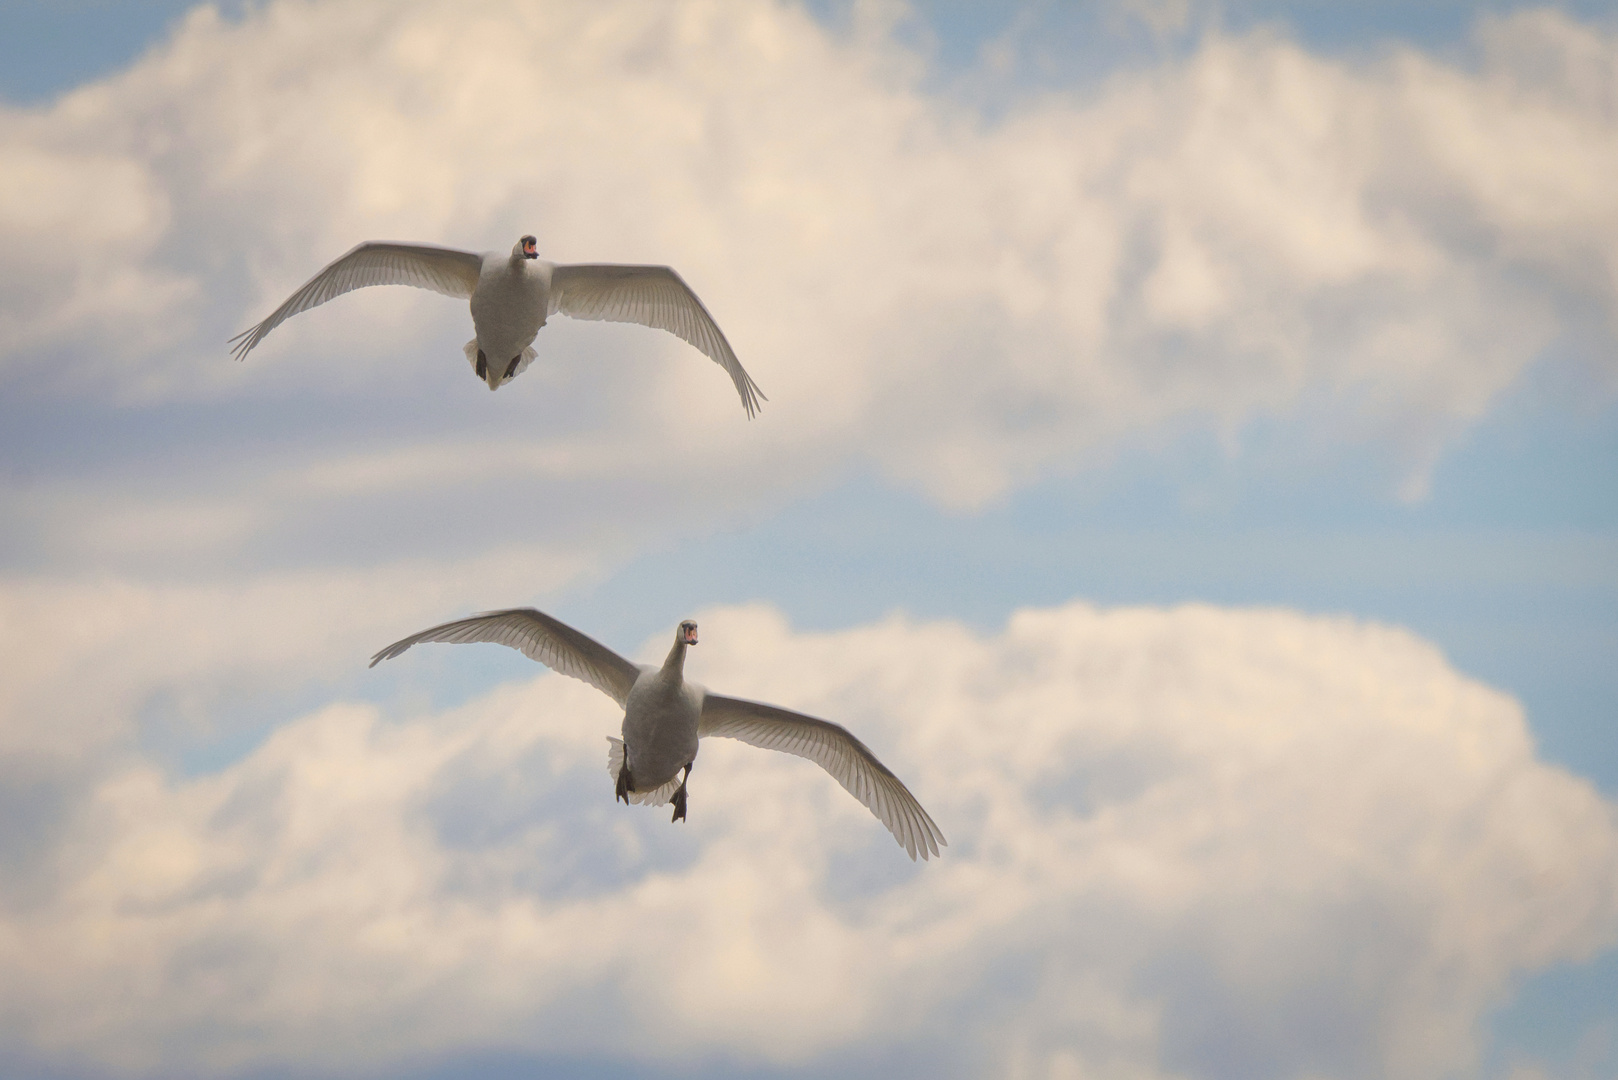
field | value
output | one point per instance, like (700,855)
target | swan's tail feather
(658,796)
(493,373)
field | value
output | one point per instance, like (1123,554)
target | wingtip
(748,391)
(931,839)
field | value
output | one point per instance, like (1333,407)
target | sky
(1188,463)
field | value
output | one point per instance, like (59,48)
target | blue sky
(1247,450)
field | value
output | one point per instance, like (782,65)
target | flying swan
(665,715)
(513,295)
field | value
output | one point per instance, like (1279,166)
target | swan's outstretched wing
(837,751)
(538,636)
(375,262)
(652,296)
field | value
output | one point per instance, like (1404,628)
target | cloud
(91,654)
(1372,249)
(1186,842)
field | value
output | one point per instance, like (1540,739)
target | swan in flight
(513,295)
(664,715)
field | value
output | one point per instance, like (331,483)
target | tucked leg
(626,783)
(511,368)
(483,366)
(679,796)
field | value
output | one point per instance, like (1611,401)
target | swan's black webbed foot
(626,783)
(511,368)
(679,798)
(483,366)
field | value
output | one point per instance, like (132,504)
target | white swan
(513,295)
(664,715)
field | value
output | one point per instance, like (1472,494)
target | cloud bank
(1183,842)
(1370,249)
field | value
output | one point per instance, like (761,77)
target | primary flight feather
(512,296)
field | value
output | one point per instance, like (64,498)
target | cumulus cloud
(85,657)
(965,305)
(102,670)
(1184,842)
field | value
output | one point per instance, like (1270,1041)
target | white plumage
(664,715)
(511,298)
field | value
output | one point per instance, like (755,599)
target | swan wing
(834,749)
(652,296)
(375,262)
(539,637)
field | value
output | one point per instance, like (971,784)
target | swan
(665,715)
(513,295)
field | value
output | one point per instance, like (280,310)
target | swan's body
(665,714)
(509,304)
(512,296)
(662,715)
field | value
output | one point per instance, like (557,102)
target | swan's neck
(674,666)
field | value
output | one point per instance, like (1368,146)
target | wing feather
(539,637)
(835,749)
(653,296)
(375,262)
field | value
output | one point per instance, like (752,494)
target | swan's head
(688,633)
(527,247)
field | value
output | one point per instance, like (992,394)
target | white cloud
(1185,842)
(1161,17)
(66,209)
(85,657)
(1290,846)
(967,305)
